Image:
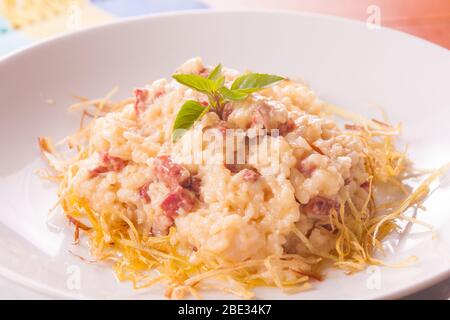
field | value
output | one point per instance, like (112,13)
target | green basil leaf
(233,95)
(219,83)
(216,73)
(189,112)
(253,82)
(196,82)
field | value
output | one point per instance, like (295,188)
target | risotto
(266,190)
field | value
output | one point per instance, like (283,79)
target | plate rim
(13,54)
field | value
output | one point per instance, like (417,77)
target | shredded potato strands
(146,261)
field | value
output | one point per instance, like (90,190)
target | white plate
(344,61)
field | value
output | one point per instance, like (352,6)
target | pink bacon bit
(141,99)
(108,163)
(250,175)
(287,127)
(171,174)
(176,200)
(98,171)
(227,111)
(328,227)
(143,193)
(306,168)
(320,206)
(115,163)
(204,72)
(195,185)
(261,116)
(365,185)
(159,92)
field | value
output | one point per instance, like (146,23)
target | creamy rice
(237,214)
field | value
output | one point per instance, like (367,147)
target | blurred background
(23,22)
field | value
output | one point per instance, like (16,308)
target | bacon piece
(227,110)
(176,200)
(237,167)
(114,163)
(306,168)
(204,72)
(176,178)
(195,184)
(141,99)
(328,227)
(261,116)
(108,163)
(171,174)
(320,206)
(287,127)
(365,185)
(158,93)
(98,171)
(143,193)
(250,175)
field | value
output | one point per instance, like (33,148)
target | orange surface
(428,19)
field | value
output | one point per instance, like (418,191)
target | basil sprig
(218,95)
